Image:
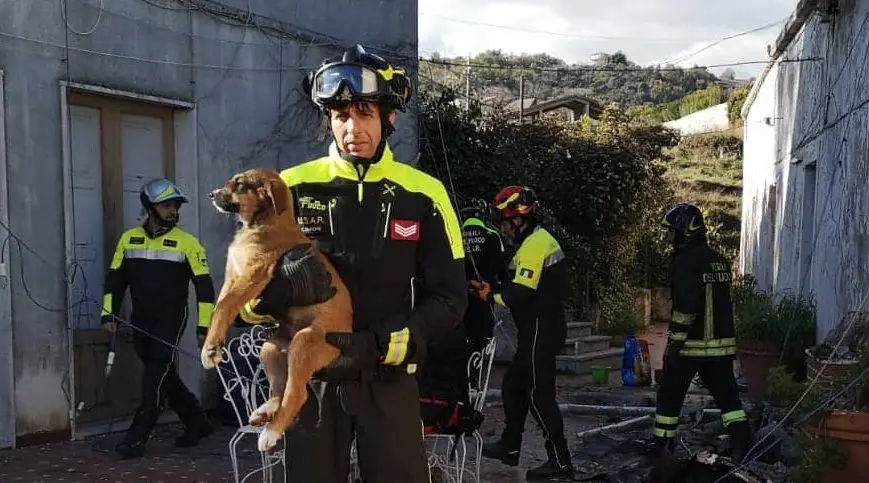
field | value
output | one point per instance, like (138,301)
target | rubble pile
(622,457)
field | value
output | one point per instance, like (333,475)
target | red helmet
(515,201)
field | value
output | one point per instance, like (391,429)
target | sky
(647,31)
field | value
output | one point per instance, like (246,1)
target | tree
(599,201)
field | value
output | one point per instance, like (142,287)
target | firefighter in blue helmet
(157,261)
(393,237)
(701,337)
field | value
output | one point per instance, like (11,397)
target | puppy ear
(278,193)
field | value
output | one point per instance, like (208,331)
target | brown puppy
(264,205)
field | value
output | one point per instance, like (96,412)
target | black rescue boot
(740,440)
(550,471)
(130,449)
(192,436)
(499,451)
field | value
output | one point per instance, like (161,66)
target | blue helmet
(158,191)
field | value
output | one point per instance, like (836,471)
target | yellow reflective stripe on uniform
(682,318)
(713,343)
(397,350)
(205,310)
(328,168)
(664,433)
(709,348)
(499,299)
(538,251)
(710,352)
(678,336)
(107,304)
(733,417)
(248,315)
(477,222)
(709,317)
(666,419)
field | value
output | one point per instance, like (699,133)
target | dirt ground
(93,460)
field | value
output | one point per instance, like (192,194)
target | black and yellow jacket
(391,234)
(484,249)
(536,293)
(702,316)
(158,272)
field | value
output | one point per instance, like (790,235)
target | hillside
(609,78)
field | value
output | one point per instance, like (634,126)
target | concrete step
(589,343)
(581,364)
(576,330)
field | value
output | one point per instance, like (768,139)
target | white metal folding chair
(479,370)
(247,377)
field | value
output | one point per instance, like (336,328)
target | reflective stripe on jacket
(702,317)
(158,272)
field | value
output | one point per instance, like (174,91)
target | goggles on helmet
(361,81)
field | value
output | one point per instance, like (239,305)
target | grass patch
(715,185)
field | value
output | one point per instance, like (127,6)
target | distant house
(567,108)
(709,120)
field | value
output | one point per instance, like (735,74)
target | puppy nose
(211,195)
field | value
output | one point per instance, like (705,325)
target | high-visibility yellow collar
(376,171)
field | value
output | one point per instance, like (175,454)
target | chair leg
(233,442)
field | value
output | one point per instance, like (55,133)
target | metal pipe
(630,423)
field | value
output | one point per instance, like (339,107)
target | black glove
(359,350)
(390,343)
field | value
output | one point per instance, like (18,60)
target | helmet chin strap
(156,225)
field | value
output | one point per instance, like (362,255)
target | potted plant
(832,366)
(757,335)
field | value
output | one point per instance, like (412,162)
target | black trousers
(479,323)
(529,385)
(384,417)
(717,375)
(161,383)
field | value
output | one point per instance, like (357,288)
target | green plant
(622,320)
(818,452)
(753,312)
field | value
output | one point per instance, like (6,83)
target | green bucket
(600,374)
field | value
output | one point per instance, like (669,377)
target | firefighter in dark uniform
(484,260)
(701,337)
(535,296)
(157,261)
(394,238)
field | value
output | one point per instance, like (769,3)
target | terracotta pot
(852,428)
(835,375)
(756,359)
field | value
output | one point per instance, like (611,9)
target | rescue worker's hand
(109,324)
(482,290)
(390,343)
(358,349)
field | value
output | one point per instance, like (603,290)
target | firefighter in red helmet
(535,296)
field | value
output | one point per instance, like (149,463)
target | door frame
(7,340)
(186,173)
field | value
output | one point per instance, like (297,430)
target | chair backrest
(244,380)
(479,369)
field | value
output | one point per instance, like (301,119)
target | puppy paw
(264,413)
(268,438)
(211,356)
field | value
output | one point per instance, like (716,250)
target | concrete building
(97,97)
(805,214)
(709,120)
